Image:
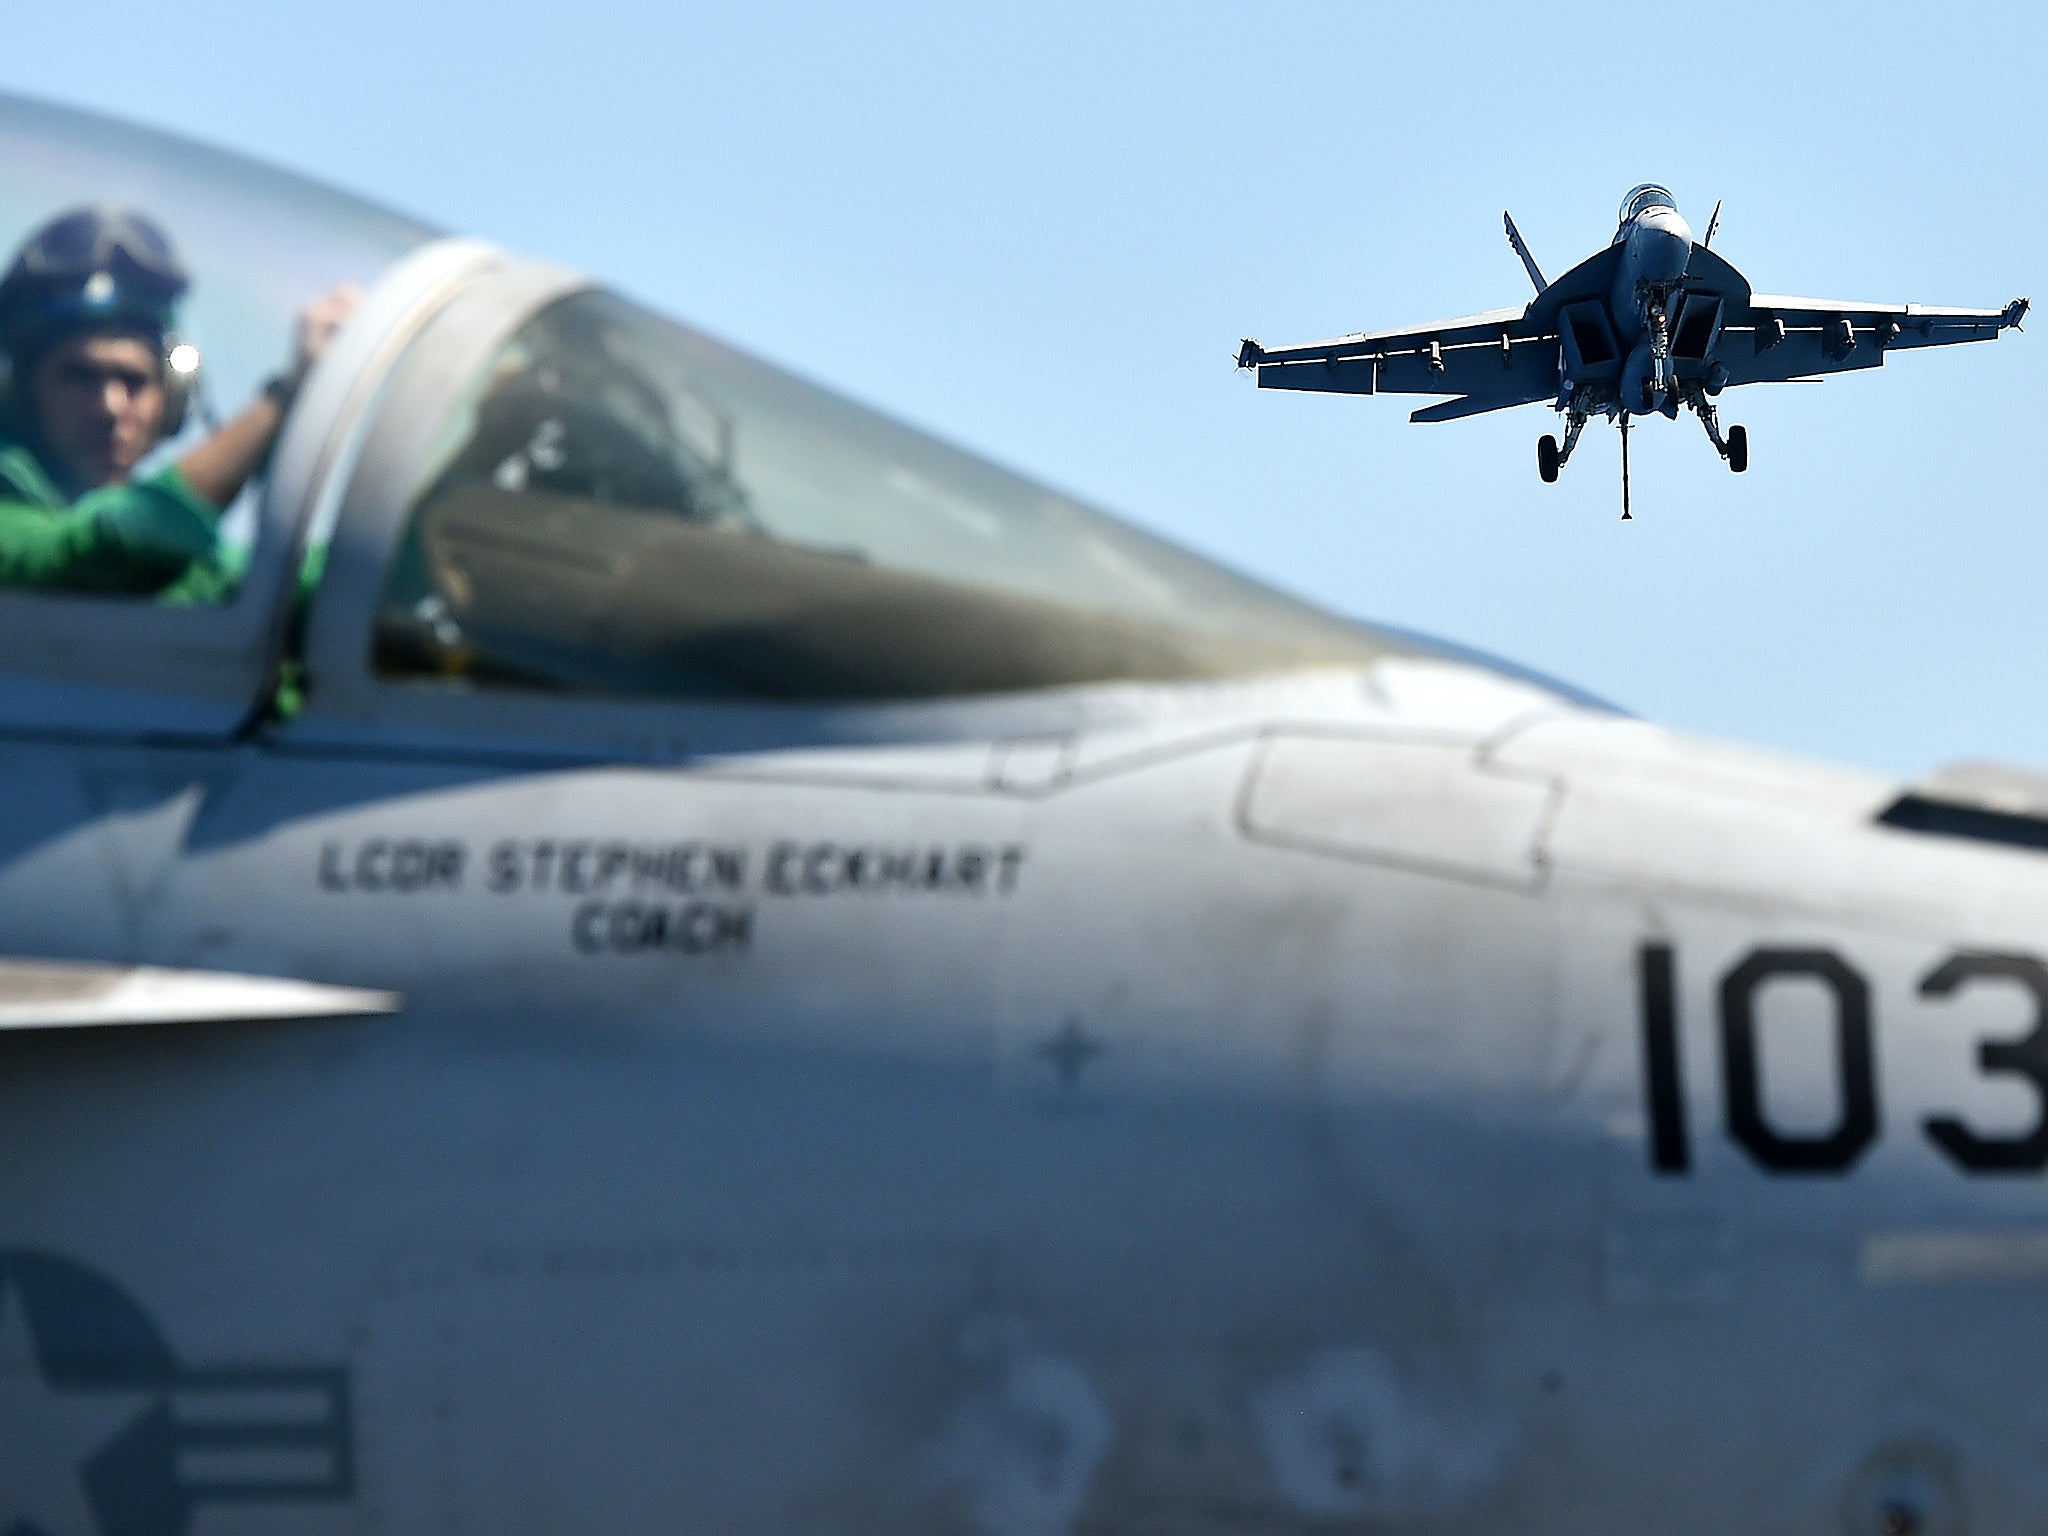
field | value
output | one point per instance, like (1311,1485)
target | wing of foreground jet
(41,994)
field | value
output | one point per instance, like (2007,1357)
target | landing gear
(1578,406)
(1551,454)
(1735,446)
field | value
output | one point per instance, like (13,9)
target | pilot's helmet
(92,268)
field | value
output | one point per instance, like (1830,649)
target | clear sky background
(1039,230)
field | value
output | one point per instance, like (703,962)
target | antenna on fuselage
(1713,224)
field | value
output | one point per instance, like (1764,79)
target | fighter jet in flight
(1654,324)
(674,955)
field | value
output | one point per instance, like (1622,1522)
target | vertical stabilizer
(1522,250)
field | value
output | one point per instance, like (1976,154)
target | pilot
(95,378)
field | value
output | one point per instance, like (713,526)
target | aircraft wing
(1774,338)
(43,994)
(1488,362)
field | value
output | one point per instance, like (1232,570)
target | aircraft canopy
(1648,195)
(618,504)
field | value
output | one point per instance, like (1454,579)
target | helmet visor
(104,239)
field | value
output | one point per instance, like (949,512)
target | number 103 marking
(1856,1124)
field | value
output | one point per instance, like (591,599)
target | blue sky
(1039,230)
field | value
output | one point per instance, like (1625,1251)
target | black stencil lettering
(331,876)
(2027,1058)
(1663,1083)
(1855,1063)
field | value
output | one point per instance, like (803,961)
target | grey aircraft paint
(1374,1093)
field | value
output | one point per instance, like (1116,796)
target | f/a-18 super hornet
(1653,324)
(655,951)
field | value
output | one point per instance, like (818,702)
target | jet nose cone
(1666,221)
(1661,243)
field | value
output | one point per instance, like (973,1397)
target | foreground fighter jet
(1653,323)
(782,978)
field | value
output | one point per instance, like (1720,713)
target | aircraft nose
(1667,221)
(1662,241)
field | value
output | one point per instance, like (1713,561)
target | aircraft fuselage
(1305,1112)
(1656,247)
(714,964)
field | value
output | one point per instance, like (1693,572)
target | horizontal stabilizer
(38,994)
(1460,408)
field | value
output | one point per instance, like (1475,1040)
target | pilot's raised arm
(95,379)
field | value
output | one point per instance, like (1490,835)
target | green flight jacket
(50,544)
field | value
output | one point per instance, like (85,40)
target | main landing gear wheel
(1546,458)
(1738,449)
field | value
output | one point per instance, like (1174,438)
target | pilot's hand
(317,325)
(154,530)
